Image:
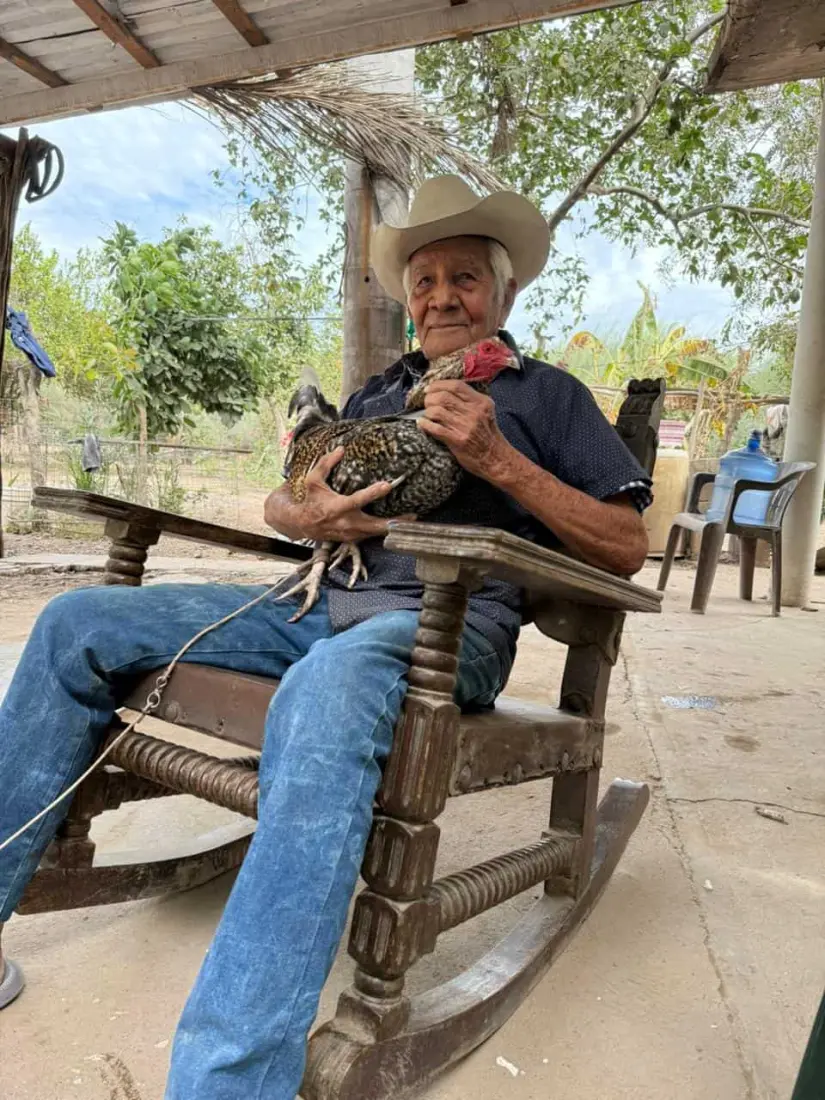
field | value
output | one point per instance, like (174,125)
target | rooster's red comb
(486,359)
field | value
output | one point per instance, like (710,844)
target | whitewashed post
(805,441)
(373,323)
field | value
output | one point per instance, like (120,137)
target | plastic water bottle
(750,462)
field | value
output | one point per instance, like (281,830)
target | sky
(147,166)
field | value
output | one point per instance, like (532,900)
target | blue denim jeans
(242,1035)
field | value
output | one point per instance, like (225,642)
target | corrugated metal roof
(61,57)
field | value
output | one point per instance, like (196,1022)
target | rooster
(423,472)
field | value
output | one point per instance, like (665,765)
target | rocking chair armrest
(97,506)
(545,574)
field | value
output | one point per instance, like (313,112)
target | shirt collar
(411,367)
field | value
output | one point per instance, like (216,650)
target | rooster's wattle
(423,472)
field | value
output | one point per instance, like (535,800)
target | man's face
(452,295)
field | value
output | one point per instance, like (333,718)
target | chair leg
(575,799)
(712,538)
(776,572)
(396,919)
(574,808)
(747,563)
(670,553)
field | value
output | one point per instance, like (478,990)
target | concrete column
(806,421)
(373,323)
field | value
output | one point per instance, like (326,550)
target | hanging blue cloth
(22,337)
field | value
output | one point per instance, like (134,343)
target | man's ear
(510,292)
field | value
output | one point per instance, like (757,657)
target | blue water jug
(750,462)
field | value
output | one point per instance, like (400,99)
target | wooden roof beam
(763,42)
(118,33)
(30,65)
(242,22)
(385,31)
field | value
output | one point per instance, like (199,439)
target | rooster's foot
(311,575)
(359,570)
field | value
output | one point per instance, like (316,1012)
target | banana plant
(647,350)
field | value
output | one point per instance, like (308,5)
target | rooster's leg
(310,582)
(350,550)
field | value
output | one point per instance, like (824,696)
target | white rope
(152,703)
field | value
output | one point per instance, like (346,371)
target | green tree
(176,304)
(63,304)
(602,120)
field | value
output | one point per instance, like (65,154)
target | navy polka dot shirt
(549,416)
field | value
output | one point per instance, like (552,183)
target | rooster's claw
(359,570)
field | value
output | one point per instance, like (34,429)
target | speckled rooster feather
(388,448)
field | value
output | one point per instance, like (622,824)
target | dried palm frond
(332,107)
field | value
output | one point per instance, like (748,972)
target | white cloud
(144,166)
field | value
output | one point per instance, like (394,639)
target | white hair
(500,264)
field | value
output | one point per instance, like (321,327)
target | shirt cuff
(640,493)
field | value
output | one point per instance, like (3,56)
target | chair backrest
(639,418)
(781,498)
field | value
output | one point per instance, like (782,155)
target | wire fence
(222,485)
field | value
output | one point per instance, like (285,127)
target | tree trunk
(373,322)
(142,472)
(29,379)
(734,397)
(13,156)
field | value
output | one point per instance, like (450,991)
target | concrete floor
(696,977)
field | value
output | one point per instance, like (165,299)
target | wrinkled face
(453,299)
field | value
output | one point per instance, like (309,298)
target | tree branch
(642,108)
(651,200)
(676,217)
(679,216)
(768,252)
(746,211)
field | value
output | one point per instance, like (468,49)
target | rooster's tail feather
(309,404)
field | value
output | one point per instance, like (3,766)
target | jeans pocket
(480,672)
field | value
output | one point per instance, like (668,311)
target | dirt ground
(22,546)
(696,977)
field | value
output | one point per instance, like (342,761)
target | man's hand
(324,515)
(465,421)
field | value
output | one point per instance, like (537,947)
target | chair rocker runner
(382,1043)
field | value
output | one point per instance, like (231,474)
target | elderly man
(541,462)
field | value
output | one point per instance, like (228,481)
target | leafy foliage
(67,315)
(272,190)
(724,183)
(174,299)
(647,350)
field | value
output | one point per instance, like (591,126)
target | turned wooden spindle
(128,550)
(396,919)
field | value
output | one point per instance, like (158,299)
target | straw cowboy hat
(447,207)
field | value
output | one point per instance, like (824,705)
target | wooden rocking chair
(383,1044)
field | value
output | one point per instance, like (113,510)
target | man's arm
(325,515)
(607,533)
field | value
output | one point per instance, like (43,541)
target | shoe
(12,984)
